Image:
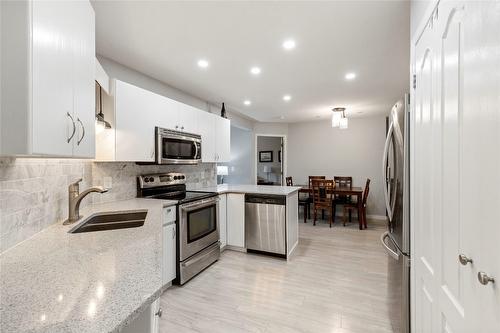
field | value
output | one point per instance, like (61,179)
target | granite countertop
(254,189)
(85,282)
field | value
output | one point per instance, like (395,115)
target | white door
(207,131)
(222,139)
(52,68)
(481,156)
(456,170)
(222,220)
(84,82)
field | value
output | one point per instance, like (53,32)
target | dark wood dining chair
(311,178)
(341,181)
(303,201)
(322,192)
(354,206)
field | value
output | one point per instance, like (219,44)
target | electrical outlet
(108,182)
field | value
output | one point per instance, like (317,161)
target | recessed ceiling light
(289,44)
(350,76)
(282,117)
(202,63)
(286,98)
(247,102)
(255,70)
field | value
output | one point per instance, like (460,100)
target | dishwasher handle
(266,199)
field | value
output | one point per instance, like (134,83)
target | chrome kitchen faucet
(75,198)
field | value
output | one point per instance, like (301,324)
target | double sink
(111,221)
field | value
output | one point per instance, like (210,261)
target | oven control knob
(151,179)
(176,177)
(146,180)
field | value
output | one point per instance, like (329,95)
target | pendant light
(339,119)
(101,124)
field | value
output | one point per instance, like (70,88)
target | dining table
(344,190)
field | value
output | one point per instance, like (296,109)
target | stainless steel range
(197,221)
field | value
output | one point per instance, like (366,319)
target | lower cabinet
(223,220)
(148,321)
(236,220)
(169,245)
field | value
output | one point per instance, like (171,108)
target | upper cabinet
(48,103)
(135,112)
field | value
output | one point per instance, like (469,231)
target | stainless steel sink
(112,220)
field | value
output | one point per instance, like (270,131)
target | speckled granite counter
(254,189)
(86,282)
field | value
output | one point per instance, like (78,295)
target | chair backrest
(343,181)
(311,178)
(289,181)
(322,190)
(366,191)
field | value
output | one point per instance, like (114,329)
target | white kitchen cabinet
(47,81)
(223,220)
(187,118)
(222,139)
(236,220)
(148,321)
(137,112)
(207,132)
(169,252)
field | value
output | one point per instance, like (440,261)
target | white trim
(377,217)
(283,154)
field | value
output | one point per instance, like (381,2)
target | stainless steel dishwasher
(265,224)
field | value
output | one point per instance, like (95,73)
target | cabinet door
(169,253)
(223,139)
(222,220)
(52,70)
(207,132)
(236,220)
(137,112)
(188,119)
(155,314)
(84,82)
(168,116)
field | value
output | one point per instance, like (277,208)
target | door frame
(284,156)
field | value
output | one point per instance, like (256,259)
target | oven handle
(209,253)
(199,204)
(196,150)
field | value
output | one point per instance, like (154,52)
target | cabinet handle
(74,127)
(159,313)
(484,279)
(182,128)
(173,233)
(464,260)
(83,131)
(176,126)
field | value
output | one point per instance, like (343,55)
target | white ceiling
(165,40)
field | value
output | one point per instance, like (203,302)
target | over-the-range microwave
(174,147)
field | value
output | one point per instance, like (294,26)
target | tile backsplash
(34,191)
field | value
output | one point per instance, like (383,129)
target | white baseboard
(376,217)
(235,248)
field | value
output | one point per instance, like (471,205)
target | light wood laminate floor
(336,281)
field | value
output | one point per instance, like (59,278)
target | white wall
(266,143)
(271,128)
(315,148)
(241,166)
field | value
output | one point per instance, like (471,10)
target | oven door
(177,149)
(198,226)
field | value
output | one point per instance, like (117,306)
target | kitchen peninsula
(242,219)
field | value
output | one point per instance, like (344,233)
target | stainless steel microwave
(173,147)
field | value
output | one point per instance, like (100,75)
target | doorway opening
(270,160)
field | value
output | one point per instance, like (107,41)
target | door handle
(390,251)
(74,127)
(83,131)
(384,170)
(464,260)
(484,279)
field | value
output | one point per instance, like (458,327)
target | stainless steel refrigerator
(396,240)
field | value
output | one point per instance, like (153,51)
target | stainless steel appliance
(197,221)
(173,147)
(396,240)
(265,224)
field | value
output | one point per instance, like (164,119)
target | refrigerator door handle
(384,170)
(391,252)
